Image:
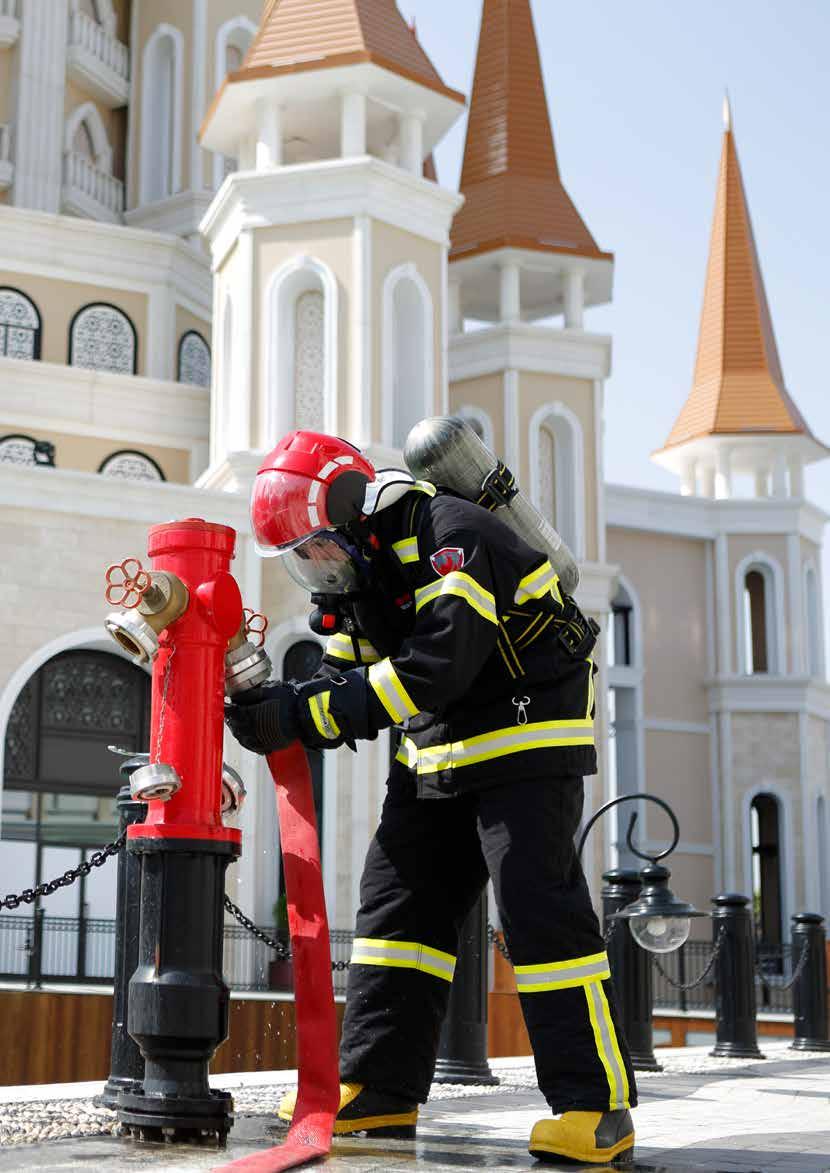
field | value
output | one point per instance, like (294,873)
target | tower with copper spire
(523,268)
(739,419)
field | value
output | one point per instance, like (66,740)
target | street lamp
(658,920)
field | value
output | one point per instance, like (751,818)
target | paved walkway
(733,1116)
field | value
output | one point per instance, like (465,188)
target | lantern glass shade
(660,934)
(659,921)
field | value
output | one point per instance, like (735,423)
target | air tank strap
(498,488)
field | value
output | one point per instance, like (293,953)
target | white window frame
(773,576)
(813,625)
(628,677)
(406,272)
(302,274)
(148,127)
(223,37)
(89,113)
(569,469)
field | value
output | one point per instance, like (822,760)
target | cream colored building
(191,264)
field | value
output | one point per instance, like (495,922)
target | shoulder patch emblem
(446,560)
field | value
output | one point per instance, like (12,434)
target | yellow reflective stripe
(561,975)
(501,742)
(407,550)
(541,581)
(605,1038)
(403,955)
(326,725)
(340,647)
(590,686)
(425,487)
(390,691)
(466,588)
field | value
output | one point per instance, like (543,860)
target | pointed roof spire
(514,194)
(738,385)
(312,34)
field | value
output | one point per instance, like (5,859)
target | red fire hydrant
(182,615)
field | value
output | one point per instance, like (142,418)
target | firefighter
(452,630)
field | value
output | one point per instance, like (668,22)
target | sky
(635,92)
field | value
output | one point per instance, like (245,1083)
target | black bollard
(126,1063)
(735,1003)
(462,1052)
(630,969)
(810,987)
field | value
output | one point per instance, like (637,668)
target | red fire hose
(318,1095)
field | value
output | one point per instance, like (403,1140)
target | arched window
(129,465)
(767,893)
(85,136)
(813,633)
(59,790)
(194,360)
(102,338)
(19,325)
(408,353)
(301,309)
(15,449)
(232,42)
(556,472)
(161,114)
(626,756)
(760,639)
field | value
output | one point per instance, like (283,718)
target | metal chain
(701,977)
(96,860)
(280,948)
(797,972)
(163,711)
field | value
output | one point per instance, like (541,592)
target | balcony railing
(89,191)
(6,165)
(9,22)
(97,60)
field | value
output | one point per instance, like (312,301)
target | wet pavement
(730,1116)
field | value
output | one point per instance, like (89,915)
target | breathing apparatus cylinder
(446,451)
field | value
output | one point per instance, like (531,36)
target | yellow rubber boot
(594,1138)
(362,1109)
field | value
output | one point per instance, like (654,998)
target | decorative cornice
(81,494)
(526,347)
(97,403)
(334,189)
(705,517)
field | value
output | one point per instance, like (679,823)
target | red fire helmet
(309,482)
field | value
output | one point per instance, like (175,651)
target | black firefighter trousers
(425,868)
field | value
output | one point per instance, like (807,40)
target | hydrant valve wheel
(127,583)
(256,626)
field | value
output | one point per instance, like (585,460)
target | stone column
(39,122)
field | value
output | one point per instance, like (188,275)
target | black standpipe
(462,1052)
(178,1003)
(630,966)
(810,986)
(126,1064)
(735,1002)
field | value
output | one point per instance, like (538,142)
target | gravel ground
(33,1121)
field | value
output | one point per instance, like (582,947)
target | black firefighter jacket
(495,677)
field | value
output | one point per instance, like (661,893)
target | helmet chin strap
(389,485)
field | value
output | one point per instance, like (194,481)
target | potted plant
(281,973)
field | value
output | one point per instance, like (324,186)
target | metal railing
(9,8)
(38,948)
(774,963)
(5,138)
(79,175)
(86,33)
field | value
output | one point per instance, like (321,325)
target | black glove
(265,719)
